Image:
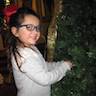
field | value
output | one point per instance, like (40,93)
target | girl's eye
(38,28)
(30,27)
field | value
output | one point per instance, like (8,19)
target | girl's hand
(69,63)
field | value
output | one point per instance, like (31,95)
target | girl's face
(29,31)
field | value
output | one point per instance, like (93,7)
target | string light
(7,2)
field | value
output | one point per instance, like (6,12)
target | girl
(33,75)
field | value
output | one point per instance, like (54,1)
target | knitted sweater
(36,75)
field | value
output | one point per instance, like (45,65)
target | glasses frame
(30,27)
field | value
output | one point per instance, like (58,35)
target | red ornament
(9,10)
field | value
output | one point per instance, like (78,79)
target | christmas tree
(76,41)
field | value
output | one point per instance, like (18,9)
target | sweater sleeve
(53,65)
(36,72)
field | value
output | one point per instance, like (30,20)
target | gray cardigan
(37,75)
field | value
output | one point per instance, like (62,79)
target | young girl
(33,75)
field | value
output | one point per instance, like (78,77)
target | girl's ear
(14,31)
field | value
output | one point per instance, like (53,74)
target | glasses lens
(30,27)
(38,28)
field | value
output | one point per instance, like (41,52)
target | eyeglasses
(31,27)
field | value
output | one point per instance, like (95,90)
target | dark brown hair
(16,20)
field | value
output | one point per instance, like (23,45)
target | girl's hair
(16,19)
